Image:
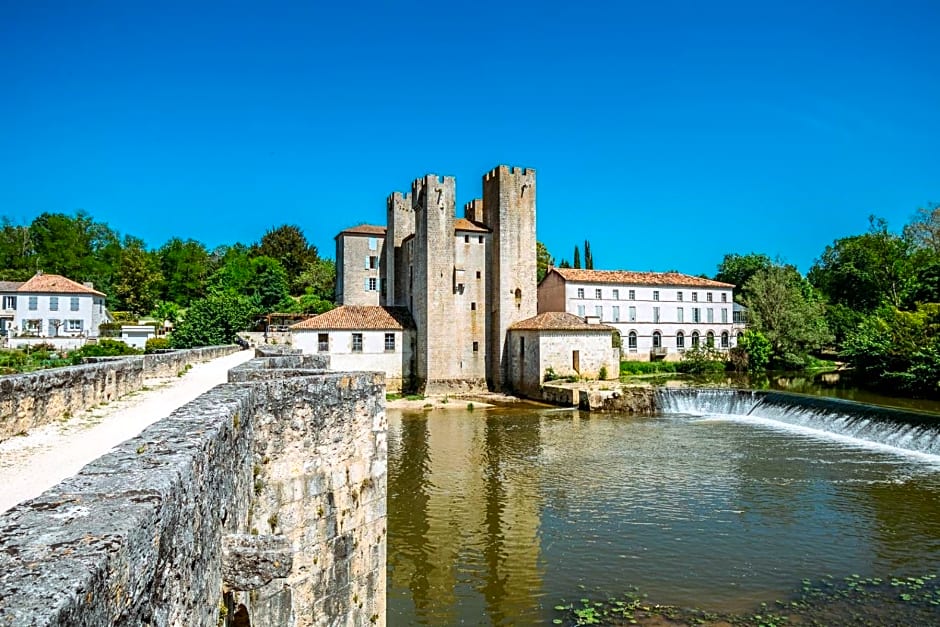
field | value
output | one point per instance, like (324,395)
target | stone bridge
(262,502)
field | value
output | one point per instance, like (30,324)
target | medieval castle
(464,281)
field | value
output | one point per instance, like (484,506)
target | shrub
(106,348)
(646,367)
(155,344)
(602,373)
(701,360)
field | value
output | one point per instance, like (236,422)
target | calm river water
(497,515)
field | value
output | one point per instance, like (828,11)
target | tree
(185,266)
(17,261)
(268,284)
(288,245)
(214,320)
(137,281)
(577,257)
(923,232)
(543,261)
(76,247)
(588,257)
(318,278)
(757,348)
(737,269)
(782,307)
(564,264)
(865,271)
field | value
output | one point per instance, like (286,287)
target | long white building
(658,314)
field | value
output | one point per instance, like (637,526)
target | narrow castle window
(473,306)
(466,239)
(518,297)
(478,274)
(476,347)
(481,239)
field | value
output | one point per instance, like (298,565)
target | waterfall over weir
(904,429)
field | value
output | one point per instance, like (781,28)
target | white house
(564,343)
(361,338)
(52,307)
(658,314)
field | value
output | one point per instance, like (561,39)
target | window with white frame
(373,284)
(724,297)
(680,315)
(680,340)
(616,293)
(357,342)
(9,302)
(655,294)
(73,305)
(580,292)
(389,342)
(33,303)
(657,339)
(74,326)
(710,339)
(597,293)
(615,313)
(679,296)
(32,327)
(655,314)
(724,316)
(53,303)
(696,315)
(581,310)
(708,296)
(694,297)
(599,311)
(695,337)
(323,342)
(631,341)
(631,312)
(724,339)
(631,295)
(710,315)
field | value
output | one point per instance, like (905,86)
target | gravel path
(33,463)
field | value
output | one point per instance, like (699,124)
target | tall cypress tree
(577,257)
(588,258)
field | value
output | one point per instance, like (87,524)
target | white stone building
(658,314)
(52,308)
(361,338)
(564,343)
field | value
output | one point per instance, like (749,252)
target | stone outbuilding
(565,343)
(362,338)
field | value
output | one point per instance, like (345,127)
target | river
(497,516)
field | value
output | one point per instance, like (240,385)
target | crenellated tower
(400,220)
(509,211)
(434,203)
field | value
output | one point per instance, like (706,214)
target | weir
(904,429)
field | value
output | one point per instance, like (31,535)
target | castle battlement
(509,170)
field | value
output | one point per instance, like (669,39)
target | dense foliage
(281,272)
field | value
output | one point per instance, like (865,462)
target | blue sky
(666,133)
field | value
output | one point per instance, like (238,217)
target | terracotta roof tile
(365,229)
(463,224)
(356,317)
(558,321)
(55,284)
(627,277)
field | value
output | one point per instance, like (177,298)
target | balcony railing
(659,351)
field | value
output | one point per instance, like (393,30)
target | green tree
(588,257)
(185,266)
(543,260)
(923,232)
(564,263)
(289,246)
(76,247)
(782,306)
(737,269)
(577,258)
(268,283)
(318,278)
(17,258)
(757,348)
(166,310)
(137,281)
(215,320)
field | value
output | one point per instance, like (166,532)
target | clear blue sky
(667,133)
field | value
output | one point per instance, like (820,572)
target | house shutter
(365,285)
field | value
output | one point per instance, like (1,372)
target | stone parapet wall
(137,536)
(38,398)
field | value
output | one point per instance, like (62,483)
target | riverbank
(454,401)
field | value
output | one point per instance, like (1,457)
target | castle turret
(509,211)
(400,218)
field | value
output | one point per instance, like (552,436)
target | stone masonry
(138,537)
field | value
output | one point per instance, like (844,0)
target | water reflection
(495,516)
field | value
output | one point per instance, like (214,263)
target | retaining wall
(37,398)
(136,537)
